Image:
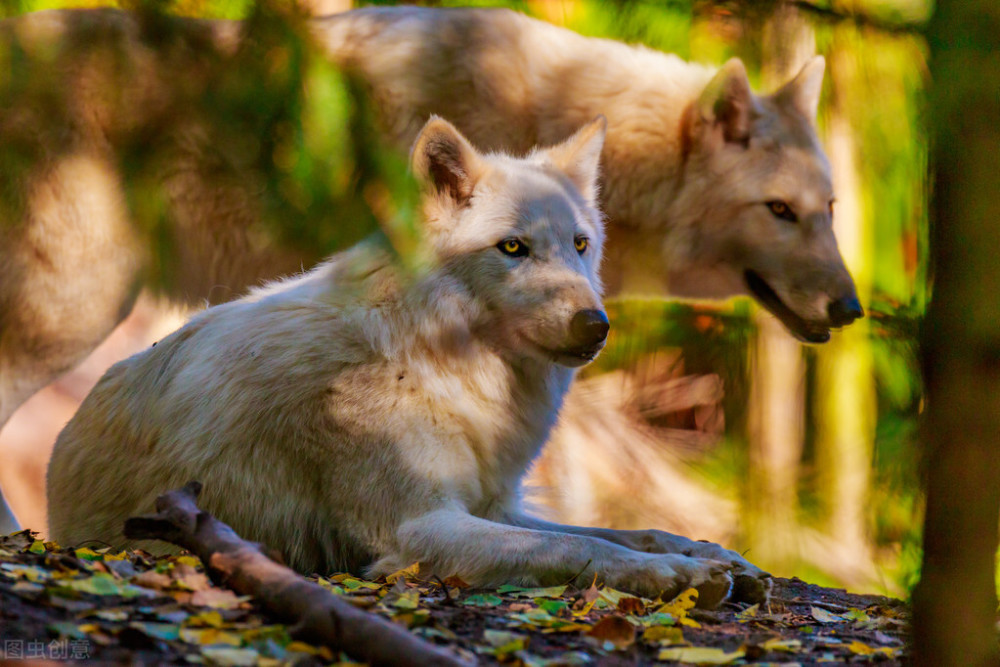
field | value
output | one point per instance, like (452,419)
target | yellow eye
(780,209)
(513,247)
(581,243)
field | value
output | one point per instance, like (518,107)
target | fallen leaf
(188,560)
(519,592)
(208,636)
(614,629)
(554,607)
(859,648)
(407,573)
(502,642)
(698,655)
(482,600)
(631,605)
(663,635)
(749,612)
(231,657)
(823,616)
(785,645)
(455,581)
(208,619)
(587,600)
(681,604)
(151,579)
(302,647)
(217,598)
(165,631)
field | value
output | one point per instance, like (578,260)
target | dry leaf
(698,655)
(632,605)
(615,629)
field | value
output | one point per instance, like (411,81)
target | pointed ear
(727,104)
(579,157)
(802,92)
(445,161)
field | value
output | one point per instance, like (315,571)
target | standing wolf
(354,417)
(710,190)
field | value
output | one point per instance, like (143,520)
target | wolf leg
(8,524)
(751,583)
(486,553)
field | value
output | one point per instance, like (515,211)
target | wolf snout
(844,310)
(588,328)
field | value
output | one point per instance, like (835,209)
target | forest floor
(130,607)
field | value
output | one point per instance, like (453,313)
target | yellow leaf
(859,648)
(409,573)
(749,612)
(211,619)
(109,556)
(188,560)
(786,645)
(208,636)
(88,554)
(697,655)
(680,605)
(663,634)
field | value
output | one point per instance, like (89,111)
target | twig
(313,613)
(813,603)
(577,575)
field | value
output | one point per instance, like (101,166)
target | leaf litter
(133,607)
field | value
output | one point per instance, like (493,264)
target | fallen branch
(313,614)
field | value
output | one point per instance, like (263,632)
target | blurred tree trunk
(845,400)
(778,383)
(955,602)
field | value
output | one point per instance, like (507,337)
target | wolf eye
(581,243)
(780,209)
(513,248)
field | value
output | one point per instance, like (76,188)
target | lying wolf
(353,418)
(710,190)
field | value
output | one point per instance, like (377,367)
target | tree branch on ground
(315,615)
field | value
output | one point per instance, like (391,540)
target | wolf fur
(354,418)
(695,166)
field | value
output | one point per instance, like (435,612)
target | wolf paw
(750,583)
(666,575)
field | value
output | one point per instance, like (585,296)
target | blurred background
(703,419)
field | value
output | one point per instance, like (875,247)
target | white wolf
(353,418)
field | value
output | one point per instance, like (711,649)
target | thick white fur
(358,417)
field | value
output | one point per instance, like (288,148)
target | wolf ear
(727,104)
(802,92)
(444,160)
(579,157)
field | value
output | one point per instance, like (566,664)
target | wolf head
(522,236)
(760,199)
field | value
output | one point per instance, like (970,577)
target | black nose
(844,311)
(589,327)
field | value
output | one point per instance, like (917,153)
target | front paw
(667,575)
(750,583)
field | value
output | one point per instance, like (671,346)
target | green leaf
(165,631)
(482,600)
